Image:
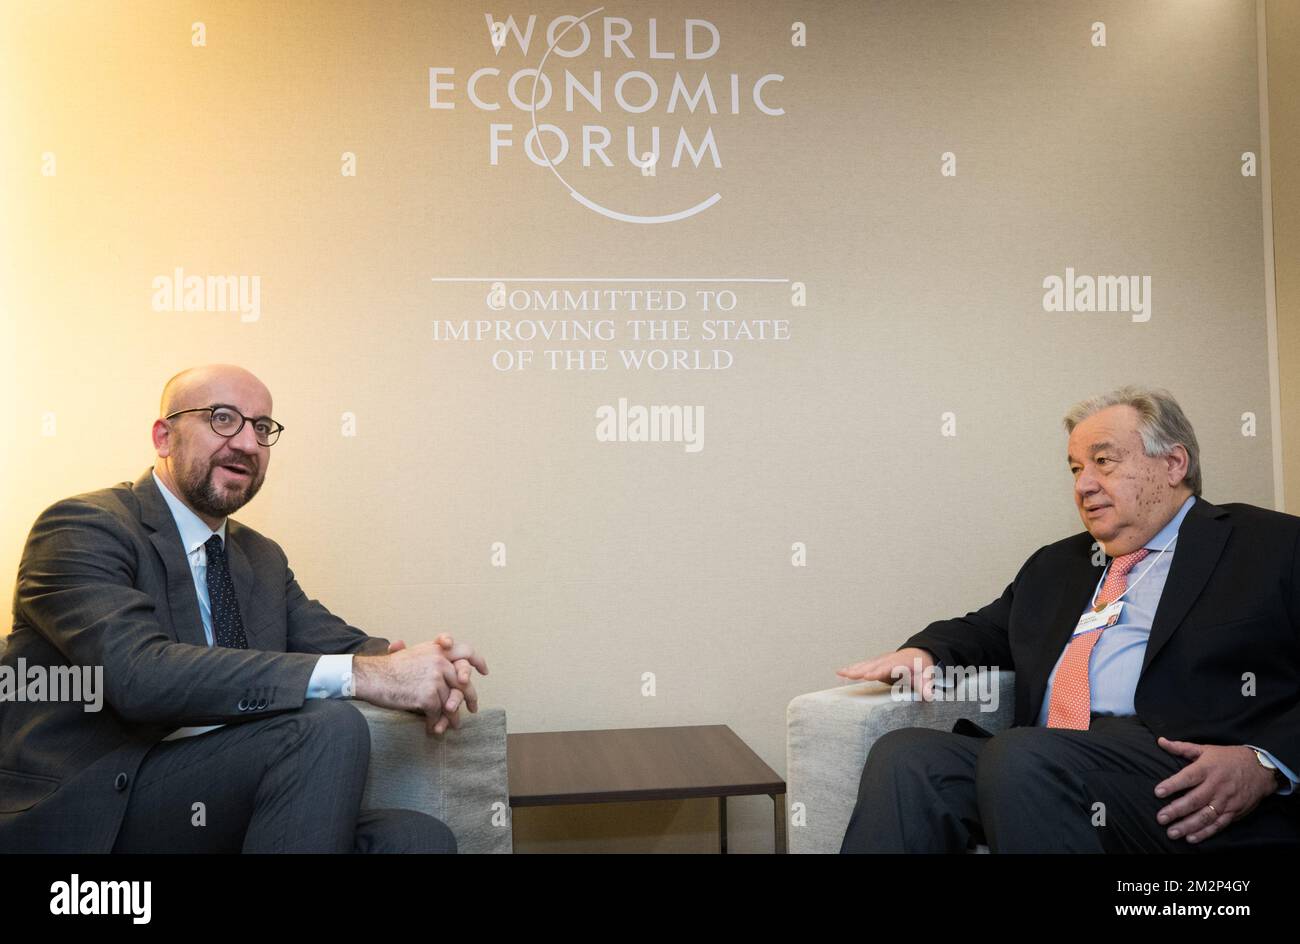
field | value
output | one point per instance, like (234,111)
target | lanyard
(1101,583)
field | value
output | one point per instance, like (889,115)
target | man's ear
(1177,464)
(161,434)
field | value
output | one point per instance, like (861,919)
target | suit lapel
(182,599)
(1201,538)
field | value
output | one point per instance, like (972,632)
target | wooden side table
(624,764)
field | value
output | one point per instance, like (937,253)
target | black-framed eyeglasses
(227,421)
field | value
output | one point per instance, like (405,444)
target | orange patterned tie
(1071,704)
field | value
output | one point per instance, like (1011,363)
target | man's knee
(402,831)
(1031,795)
(905,747)
(900,754)
(334,722)
(1014,759)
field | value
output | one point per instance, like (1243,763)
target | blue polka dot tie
(227,627)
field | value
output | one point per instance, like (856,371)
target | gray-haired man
(1157,704)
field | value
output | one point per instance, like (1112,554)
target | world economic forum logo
(590,63)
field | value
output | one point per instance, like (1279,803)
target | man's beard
(206,496)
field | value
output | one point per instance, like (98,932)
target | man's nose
(246,440)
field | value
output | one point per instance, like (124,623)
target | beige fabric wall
(907,433)
(1283,21)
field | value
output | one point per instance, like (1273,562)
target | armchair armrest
(828,735)
(459,777)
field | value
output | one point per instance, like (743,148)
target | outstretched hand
(893,666)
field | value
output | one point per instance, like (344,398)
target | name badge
(1099,620)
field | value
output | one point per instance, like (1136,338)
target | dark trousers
(288,783)
(1033,789)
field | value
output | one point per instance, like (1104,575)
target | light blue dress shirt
(1116,660)
(332,676)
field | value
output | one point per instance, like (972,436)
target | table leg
(722,825)
(778,823)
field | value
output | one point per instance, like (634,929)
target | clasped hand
(433,678)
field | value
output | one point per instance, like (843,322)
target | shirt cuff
(192,731)
(332,677)
(1292,779)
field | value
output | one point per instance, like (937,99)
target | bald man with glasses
(223,683)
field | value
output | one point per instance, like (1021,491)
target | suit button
(120,781)
(243,704)
(261,703)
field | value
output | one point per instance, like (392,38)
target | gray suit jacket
(104,581)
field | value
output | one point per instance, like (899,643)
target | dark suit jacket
(1230,606)
(104,581)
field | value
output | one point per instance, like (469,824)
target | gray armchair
(459,777)
(829,733)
